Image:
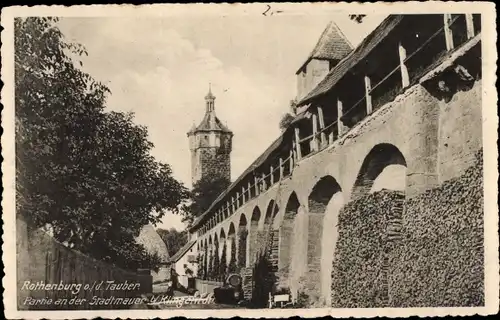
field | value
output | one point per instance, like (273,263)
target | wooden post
(368,88)
(243,195)
(291,160)
(281,169)
(264,182)
(237,199)
(233,204)
(321,119)
(256,181)
(340,112)
(315,132)
(297,142)
(448,35)
(271,174)
(405,77)
(249,190)
(469,21)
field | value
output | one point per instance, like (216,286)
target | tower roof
(331,45)
(210,122)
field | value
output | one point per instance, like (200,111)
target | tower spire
(210,99)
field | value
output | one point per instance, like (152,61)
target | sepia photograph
(282,159)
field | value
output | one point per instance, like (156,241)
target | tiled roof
(210,122)
(332,45)
(361,51)
(182,251)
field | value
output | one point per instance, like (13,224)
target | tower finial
(210,98)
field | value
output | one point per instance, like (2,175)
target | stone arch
(285,239)
(271,212)
(324,202)
(384,167)
(253,241)
(242,241)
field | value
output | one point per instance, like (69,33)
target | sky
(160,67)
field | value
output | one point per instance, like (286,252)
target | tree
(232,260)
(174,240)
(223,263)
(85,172)
(216,266)
(205,265)
(285,121)
(242,250)
(210,269)
(204,193)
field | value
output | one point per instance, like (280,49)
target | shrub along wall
(359,277)
(432,257)
(439,261)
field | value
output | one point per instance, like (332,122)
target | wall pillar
(299,251)
(252,243)
(422,145)
(314,238)
(285,233)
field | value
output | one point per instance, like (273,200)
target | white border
(490,125)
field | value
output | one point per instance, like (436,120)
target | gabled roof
(182,251)
(361,51)
(332,45)
(210,122)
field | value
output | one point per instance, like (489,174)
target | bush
(359,278)
(430,256)
(439,262)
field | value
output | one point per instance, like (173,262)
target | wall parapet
(321,126)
